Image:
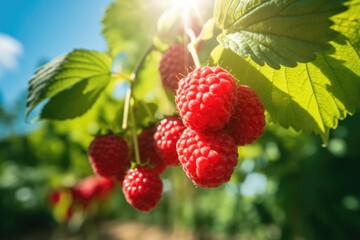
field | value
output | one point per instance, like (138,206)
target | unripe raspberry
(108,156)
(248,120)
(167,134)
(174,64)
(207,158)
(206,98)
(148,151)
(142,188)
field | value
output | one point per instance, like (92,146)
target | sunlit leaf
(276,32)
(348,23)
(72,82)
(311,97)
(128,25)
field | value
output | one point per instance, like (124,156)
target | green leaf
(276,32)
(348,23)
(311,97)
(208,29)
(72,82)
(128,25)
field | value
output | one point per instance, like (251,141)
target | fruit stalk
(192,47)
(130,101)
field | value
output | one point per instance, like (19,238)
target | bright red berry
(148,151)
(167,134)
(174,64)
(207,158)
(108,156)
(206,98)
(248,120)
(142,188)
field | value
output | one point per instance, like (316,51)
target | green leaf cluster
(276,32)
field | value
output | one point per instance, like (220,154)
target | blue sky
(46,29)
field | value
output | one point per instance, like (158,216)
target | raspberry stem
(192,47)
(134,134)
(126,108)
(130,102)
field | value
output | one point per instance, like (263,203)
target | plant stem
(134,134)
(130,102)
(126,108)
(141,61)
(192,47)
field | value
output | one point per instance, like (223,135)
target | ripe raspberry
(174,63)
(142,188)
(108,156)
(248,120)
(167,134)
(90,189)
(206,98)
(148,151)
(207,158)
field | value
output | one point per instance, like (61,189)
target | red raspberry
(206,98)
(90,189)
(207,158)
(167,134)
(108,156)
(148,151)
(174,63)
(142,188)
(248,120)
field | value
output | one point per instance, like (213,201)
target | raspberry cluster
(219,115)
(216,116)
(109,157)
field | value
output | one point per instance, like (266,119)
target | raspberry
(148,151)
(174,63)
(167,134)
(91,188)
(108,156)
(142,188)
(206,98)
(207,158)
(248,120)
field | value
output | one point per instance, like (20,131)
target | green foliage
(276,32)
(312,96)
(72,82)
(129,25)
(348,23)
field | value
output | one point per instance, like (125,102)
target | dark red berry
(148,151)
(108,156)
(248,120)
(174,64)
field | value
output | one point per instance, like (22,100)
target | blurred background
(286,185)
